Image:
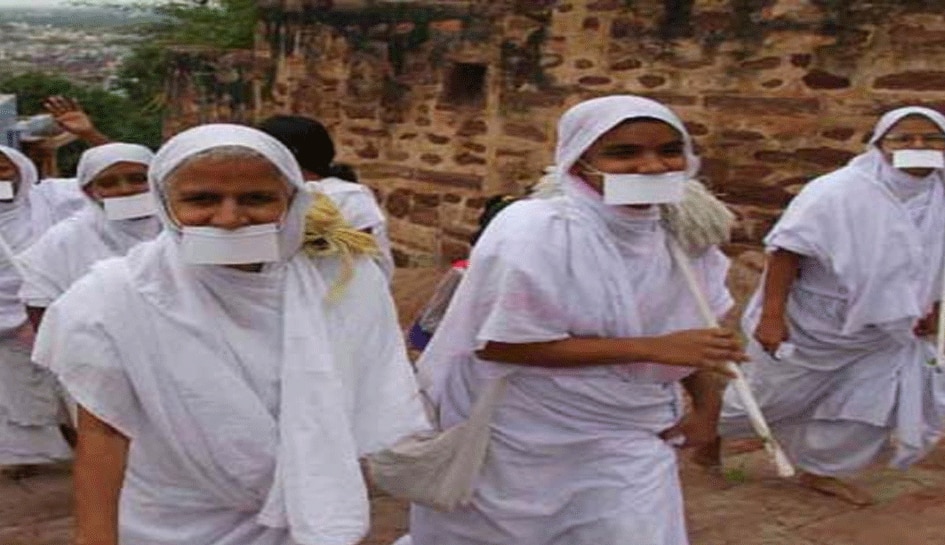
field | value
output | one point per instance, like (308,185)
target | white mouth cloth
(918,158)
(131,207)
(663,188)
(6,190)
(215,246)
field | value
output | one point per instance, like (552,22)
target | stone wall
(439,104)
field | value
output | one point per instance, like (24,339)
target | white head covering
(118,235)
(586,122)
(906,187)
(185,145)
(583,125)
(95,160)
(892,117)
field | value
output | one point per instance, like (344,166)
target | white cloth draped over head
(35,208)
(67,251)
(96,160)
(247,396)
(546,270)
(872,238)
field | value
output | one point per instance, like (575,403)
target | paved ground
(749,505)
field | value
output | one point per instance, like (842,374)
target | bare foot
(709,457)
(833,486)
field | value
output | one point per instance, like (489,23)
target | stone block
(526,131)
(822,80)
(913,80)
(761,105)
(824,156)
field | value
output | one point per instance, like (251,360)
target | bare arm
(782,271)
(35,315)
(783,267)
(703,348)
(100,461)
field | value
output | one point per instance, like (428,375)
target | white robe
(247,397)
(29,402)
(67,252)
(358,206)
(871,268)
(575,457)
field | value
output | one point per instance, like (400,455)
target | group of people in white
(217,346)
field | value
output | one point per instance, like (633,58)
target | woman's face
(122,179)
(912,132)
(9,173)
(227,193)
(634,147)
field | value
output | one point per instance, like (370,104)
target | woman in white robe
(313,148)
(29,405)
(116,173)
(229,403)
(852,286)
(581,306)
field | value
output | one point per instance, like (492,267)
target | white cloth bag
(438,469)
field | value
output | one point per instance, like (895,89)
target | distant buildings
(86,56)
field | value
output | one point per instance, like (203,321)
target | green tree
(115,115)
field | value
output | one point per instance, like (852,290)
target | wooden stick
(755,416)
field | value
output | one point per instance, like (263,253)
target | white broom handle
(755,416)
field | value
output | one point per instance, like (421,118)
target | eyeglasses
(933,140)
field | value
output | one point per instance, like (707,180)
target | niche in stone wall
(465,85)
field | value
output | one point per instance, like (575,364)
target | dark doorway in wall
(465,85)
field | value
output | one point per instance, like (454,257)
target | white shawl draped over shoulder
(248,397)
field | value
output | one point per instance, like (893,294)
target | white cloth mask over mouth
(131,207)
(663,188)
(918,158)
(216,246)
(6,190)
(623,189)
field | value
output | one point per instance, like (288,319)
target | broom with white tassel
(696,223)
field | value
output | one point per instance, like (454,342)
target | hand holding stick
(755,416)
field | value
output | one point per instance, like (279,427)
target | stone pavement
(748,506)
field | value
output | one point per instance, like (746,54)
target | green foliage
(115,115)
(227,24)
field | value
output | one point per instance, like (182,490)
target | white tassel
(699,221)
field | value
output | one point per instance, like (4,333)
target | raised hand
(69,114)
